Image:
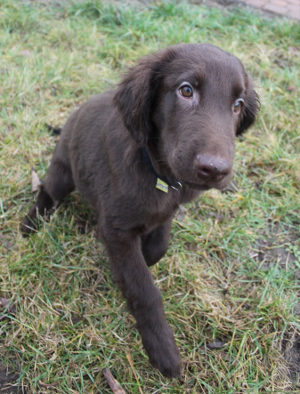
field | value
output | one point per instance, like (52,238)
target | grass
(231,272)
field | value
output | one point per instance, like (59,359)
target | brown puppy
(166,134)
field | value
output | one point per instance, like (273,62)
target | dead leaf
(113,384)
(48,386)
(291,88)
(76,319)
(216,345)
(4,302)
(25,53)
(36,182)
(7,303)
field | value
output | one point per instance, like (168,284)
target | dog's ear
(134,97)
(251,109)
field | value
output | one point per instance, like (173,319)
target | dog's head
(187,103)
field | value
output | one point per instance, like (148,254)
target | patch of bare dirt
(291,353)
(9,376)
(281,245)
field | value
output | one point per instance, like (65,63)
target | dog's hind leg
(58,184)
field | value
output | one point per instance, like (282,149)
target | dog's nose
(209,167)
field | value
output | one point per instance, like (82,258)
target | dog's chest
(161,206)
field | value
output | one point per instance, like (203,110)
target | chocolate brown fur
(188,139)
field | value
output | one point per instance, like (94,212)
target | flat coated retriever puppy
(136,153)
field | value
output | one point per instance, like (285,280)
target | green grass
(231,270)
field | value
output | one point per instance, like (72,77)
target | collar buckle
(176,185)
(179,186)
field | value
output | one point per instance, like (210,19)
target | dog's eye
(238,105)
(186,91)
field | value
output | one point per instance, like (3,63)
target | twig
(48,386)
(113,384)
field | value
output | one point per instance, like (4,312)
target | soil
(275,246)
(8,380)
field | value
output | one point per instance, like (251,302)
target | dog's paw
(162,351)
(28,226)
(167,361)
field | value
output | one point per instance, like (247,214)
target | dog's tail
(54,130)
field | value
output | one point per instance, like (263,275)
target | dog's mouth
(209,185)
(197,186)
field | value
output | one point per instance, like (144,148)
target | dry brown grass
(66,320)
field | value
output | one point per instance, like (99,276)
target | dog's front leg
(144,300)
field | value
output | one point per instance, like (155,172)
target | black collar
(176,185)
